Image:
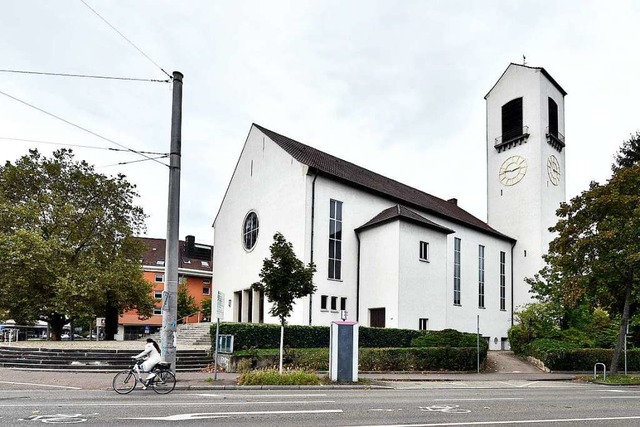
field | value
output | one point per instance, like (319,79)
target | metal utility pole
(170,293)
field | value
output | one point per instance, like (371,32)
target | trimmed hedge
(263,335)
(584,359)
(373,359)
(420,359)
(449,338)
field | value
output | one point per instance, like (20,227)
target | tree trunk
(111,314)
(281,345)
(56,323)
(623,328)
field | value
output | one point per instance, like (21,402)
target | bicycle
(162,383)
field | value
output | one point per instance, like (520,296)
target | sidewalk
(502,366)
(228,381)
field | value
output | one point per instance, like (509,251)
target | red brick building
(194,268)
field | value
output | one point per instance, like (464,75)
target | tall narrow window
(334,303)
(512,119)
(553,118)
(323,302)
(424,251)
(335,240)
(456,271)
(481,276)
(503,281)
(343,303)
(423,324)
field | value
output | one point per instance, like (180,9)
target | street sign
(220,305)
(100,322)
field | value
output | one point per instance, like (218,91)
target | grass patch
(273,377)
(615,379)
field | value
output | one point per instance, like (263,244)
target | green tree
(284,279)
(67,245)
(186,303)
(205,305)
(595,258)
(629,153)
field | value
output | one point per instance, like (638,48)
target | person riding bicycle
(151,356)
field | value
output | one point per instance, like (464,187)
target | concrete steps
(191,334)
(91,359)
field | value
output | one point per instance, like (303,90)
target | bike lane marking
(206,415)
(41,385)
(163,404)
(485,423)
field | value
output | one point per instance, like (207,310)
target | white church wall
(422,285)
(494,322)
(268,181)
(357,209)
(379,273)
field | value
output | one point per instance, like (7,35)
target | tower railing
(504,143)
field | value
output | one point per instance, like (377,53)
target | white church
(391,255)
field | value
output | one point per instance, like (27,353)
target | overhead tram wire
(81,128)
(64,144)
(134,161)
(128,41)
(86,76)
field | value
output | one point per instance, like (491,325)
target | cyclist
(151,355)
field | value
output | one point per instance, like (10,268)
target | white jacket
(151,355)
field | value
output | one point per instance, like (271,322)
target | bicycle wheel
(164,382)
(124,382)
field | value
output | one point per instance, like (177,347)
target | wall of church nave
(422,289)
(269,183)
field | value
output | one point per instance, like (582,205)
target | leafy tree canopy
(284,278)
(186,303)
(595,258)
(67,245)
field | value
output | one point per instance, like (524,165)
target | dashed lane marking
(41,385)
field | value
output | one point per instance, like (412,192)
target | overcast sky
(394,86)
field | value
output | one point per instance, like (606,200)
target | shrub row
(261,335)
(584,359)
(374,359)
(420,359)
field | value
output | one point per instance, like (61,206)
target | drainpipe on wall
(512,246)
(313,214)
(358,281)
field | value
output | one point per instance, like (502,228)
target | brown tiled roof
(401,212)
(156,251)
(357,176)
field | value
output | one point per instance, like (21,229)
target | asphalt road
(408,404)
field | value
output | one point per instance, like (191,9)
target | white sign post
(219,315)
(99,324)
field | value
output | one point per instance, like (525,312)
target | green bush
(273,377)
(420,359)
(386,337)
(517,338)
(584,359)
(542,347)
(448,338)
(262,335)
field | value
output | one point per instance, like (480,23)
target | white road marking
(528,384)
(478,399)
(41,385)
(619,397)
(270,396)
(286,402)
(484,423)
(204,415)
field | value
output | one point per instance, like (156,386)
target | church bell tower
(525,166)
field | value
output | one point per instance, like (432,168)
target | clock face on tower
(512,170)
(553,170)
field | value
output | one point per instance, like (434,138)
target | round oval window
(250,230)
